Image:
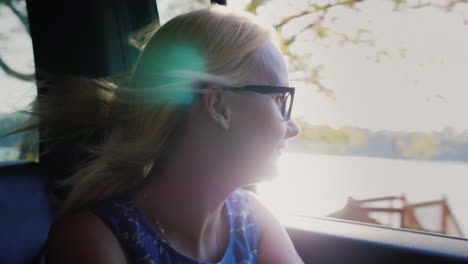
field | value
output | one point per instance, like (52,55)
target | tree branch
(253,5)
(315,9)
(15,74)
(287,42)
(19,15)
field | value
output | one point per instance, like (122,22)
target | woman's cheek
(270,133)
(258,131)
(275,127)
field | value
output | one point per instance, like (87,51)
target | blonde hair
(145,113)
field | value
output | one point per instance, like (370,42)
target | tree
(18,9)
(316,27)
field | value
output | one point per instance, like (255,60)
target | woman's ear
(214,102)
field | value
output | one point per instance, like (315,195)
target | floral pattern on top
(143,245)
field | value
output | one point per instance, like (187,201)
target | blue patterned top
(143,245)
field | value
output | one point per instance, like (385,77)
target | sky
(425,89)
(420,82)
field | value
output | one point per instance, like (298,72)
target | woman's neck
(188,203)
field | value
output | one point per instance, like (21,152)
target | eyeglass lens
(286,107)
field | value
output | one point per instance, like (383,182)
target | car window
(381,101)
(17,88)
(168,9)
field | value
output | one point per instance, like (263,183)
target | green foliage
(253,5)
(329,140)
(316,27)
(418,146)
(445,145)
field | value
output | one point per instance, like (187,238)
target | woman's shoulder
(241,194)
(82,237)
(248,198)
(275,245)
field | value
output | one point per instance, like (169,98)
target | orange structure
(396,211)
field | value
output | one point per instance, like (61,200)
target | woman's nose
(292,129)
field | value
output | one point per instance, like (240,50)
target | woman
(205,112)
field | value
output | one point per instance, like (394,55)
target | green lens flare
(165,74)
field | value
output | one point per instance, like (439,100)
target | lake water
(316,185)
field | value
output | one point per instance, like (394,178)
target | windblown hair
(145,111)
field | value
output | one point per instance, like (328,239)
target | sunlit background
(381,99)
(376,71)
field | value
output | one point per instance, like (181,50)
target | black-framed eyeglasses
(284,99)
